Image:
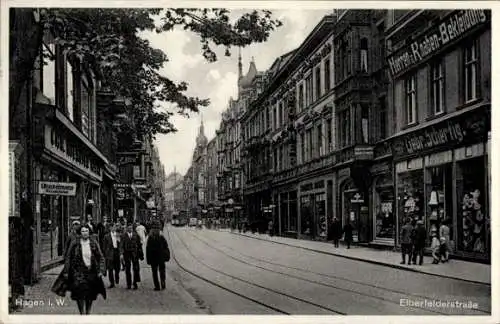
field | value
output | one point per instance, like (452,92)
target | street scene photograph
(248,161)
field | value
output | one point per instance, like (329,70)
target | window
(364,54)
(301,97)
(310,143)
(48,69)
(85,107)
(437,88)
(302,148)
(319,135)
(309,90)
(411,100)
(275,159)
(344,127)
(282,113)
(329,136)
(69,91)
(471,72)
(382,118)
(317,75)
(327,75)
(268,118)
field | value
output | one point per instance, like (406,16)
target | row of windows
(58,80)
(437,95)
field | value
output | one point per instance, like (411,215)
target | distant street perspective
(211,161)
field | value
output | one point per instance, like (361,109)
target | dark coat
(131,247)
(83,282)
(335,231)
(107,247)
(157,250)
(419,236)
(406,234)
(348,232)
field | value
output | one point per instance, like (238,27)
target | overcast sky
(218,81)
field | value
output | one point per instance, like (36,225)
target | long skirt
(85,284)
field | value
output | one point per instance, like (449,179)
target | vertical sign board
(14,185)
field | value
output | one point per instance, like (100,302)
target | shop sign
(357,199)
(14,172)
(57,188)
(451,29)
(470,128)
(127,159)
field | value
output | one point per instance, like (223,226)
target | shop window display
(474,224)
(293,210)
(439,197)
(284,212)
(306,215)
(410,196)
(385,215)
(321,215)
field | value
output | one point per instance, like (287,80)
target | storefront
(286,206)
(67,172)
(384,220)
(446,180)
(315,198)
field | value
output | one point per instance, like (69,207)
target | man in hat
(420,237)
(406,241)
(73,235)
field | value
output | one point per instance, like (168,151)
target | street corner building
(379,116)
(69,157)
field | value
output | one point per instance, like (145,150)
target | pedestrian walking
(270,227)
(444,236)
(406,241)
(435,245)
(111,250)
(82,272)
(73,235)
(141,231)
(157,253)
(130,254)
(420,237)
(336,231)
(348,233)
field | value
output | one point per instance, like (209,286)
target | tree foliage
(129,65)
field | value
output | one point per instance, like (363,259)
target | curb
(390,265)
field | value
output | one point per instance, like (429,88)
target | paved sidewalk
(144,301)
(455,269)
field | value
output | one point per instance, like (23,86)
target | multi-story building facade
(212,192)
(440,90)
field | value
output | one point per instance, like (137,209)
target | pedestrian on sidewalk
(130,254)
(336,231)
(111,250)
(157,253)
(444,236)
(406,241)
(270,227)
(84,267)
(348,233)
(435,245)
(420,237)
(73,236)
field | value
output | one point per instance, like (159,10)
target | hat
(442,239)
(75,223)
(420,222)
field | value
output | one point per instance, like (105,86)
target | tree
(108,39)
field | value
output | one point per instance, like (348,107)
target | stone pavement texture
(456,269)
(121,301)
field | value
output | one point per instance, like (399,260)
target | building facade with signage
(440,68)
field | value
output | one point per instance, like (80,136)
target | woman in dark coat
(157,253)
(84,266)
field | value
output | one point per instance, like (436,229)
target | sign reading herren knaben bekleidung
(451,29)
(57,188)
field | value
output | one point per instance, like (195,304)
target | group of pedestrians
(336,231)
(414,238)
(93,250)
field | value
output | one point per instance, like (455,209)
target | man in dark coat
(348,234)
(157,253)
(406,241)
(111,250)
(336,231)
(419,239)
(131,252)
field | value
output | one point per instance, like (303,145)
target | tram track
(233,291)
(402,294)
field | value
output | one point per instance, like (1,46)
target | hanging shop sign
(14,173)
(451,29)
(468,128)
(57,188)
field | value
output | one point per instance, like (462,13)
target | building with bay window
(440,90)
